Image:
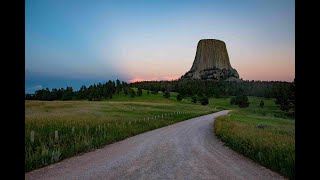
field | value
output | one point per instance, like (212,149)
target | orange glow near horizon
(168,78)
(276,63)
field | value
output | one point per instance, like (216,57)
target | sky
(81,42)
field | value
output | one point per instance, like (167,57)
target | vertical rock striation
(211,62)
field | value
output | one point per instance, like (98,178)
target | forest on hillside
(283,92)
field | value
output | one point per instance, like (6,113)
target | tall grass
(268,141)
(83,126)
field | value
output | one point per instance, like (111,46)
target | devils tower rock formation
(211,62)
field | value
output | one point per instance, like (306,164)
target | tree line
(210,88)
(95,92)
(283,92)
(198,90)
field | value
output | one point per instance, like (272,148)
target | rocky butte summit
(212,62)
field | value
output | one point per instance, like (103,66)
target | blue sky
(81,42)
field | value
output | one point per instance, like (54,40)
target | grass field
(263,134)
(55,130)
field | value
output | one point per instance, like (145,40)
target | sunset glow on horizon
(166,78)
(74,43)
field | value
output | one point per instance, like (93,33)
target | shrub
(243,101)
(166,94)
(194,99)
(179,98)
(240,100)
(204,100)
(154,92)
(233,101)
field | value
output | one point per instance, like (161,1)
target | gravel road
(185,150)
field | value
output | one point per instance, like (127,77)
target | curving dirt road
(185,150)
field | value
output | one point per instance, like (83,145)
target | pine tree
(132,93)
(139,92)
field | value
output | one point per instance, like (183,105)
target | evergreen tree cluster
(241,100)
(198,90)
(210,88)
(285,98)
(283,92)
(94,92)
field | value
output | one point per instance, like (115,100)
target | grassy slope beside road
(85,125)
(262,134)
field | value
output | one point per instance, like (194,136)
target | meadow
(265,135)
(55,130)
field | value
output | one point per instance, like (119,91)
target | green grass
(272,146)
(96,124)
